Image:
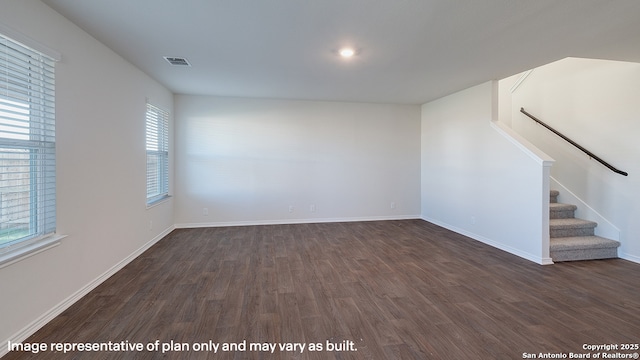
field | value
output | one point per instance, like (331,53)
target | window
(27,146)
(157,154)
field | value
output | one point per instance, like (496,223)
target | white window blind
(27,144)
(157,154)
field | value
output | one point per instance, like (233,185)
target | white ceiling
(410,51)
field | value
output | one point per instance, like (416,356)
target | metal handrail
(591,155)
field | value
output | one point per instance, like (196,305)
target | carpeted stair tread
(571,223)
(561,206)
(582,243)
(582,248)
(561,211)
(571,227)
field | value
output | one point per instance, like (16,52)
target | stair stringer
(604,229)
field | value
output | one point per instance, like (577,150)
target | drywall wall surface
(595,103)
(261,161)
(506,86)
(475,181)
(101,172)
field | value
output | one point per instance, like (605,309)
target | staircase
(573,239)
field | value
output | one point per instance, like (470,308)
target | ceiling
(409,51)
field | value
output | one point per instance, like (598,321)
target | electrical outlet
(150,224)
(291,208)
(312,208)
(205,211)
(393,205)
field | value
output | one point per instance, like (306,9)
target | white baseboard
(495,244)
(31,329)
(629,257)
(293,221)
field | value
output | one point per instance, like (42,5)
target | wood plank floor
(398,289)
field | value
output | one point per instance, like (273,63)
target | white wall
(595,103)
(477,182)
(248,160)
(505,87)
(100,111)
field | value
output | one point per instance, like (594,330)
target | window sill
(158,201)
(20,252)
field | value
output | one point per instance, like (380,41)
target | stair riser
(586,254)
(570,232)
(561,214)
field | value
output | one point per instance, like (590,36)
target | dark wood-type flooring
(398,289)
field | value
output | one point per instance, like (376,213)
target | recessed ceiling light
(347,52)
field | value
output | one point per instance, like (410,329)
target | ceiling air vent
(177,61)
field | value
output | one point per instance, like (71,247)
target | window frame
(156,148)
(31,131)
